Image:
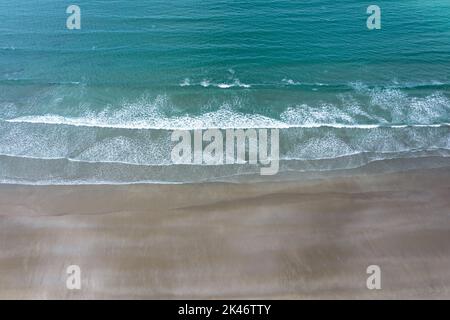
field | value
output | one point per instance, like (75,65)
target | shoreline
(290,171)
(293,240)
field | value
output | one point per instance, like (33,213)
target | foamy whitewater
(98,105)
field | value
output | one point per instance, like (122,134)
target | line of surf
(196,124)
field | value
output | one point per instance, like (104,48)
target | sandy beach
(293,240)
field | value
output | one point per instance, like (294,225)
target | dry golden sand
(279,240)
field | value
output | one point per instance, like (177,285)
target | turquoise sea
(97,105)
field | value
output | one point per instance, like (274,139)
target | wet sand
(294,240)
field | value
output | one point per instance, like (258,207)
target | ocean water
(97,105)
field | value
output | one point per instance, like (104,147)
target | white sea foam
(291,82)
(241,85)
(223,119)
(413,123)
(212,120)
(400,111)
(235,83)
(205,83)
(186,83)
(224,85)
(148,114)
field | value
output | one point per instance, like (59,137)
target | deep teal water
(97,104)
